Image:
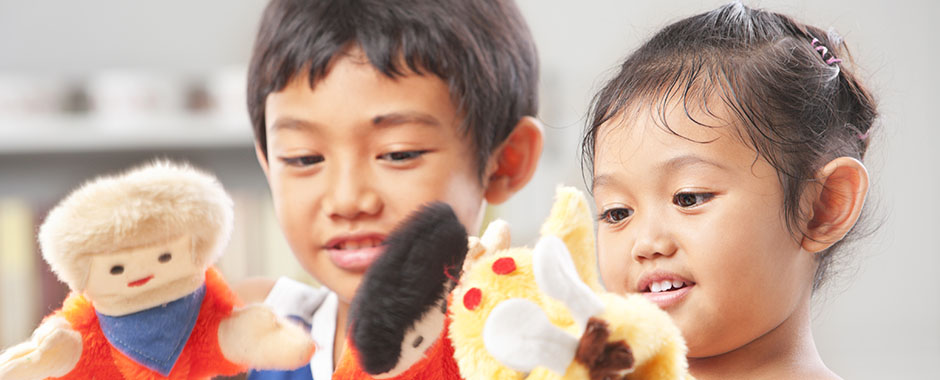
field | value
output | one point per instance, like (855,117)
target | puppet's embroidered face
(116,277)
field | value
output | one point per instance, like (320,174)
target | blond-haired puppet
(136,251)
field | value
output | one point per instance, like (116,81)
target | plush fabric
(200,358)
(438,363)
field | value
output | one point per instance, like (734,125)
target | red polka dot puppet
(136,251)
(511,313)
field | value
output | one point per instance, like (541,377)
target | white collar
(323,330)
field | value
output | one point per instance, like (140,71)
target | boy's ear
(836,204)
(262,159)
(514,162)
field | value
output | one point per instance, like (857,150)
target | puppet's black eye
(418,341)
(165,257)
(117,269)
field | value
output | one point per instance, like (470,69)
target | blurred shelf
(70,134)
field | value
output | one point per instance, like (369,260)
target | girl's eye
(690,200)
(615,215)
(302,161)
(402,156)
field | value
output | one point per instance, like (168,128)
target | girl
(726,160)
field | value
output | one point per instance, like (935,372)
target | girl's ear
(836,204)
(514,162)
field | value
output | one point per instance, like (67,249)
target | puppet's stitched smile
(140,282)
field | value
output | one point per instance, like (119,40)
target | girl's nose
(653,238)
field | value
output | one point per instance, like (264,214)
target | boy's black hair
(482,49)
(795,103)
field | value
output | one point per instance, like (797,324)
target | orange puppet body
(438,363)
(200,359)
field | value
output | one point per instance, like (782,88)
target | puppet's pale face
(351,158)
(115,277)
(706,217)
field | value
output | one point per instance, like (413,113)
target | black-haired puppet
(397,322)
(513,313)
(136,250)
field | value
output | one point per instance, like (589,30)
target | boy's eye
(302,161)
(402,156)
(615,215)
(690,200)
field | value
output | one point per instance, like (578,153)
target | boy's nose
(352,196)
(653,238)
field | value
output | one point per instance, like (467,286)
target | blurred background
(96,86)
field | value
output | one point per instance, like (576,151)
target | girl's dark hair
(795,109)
(482,49)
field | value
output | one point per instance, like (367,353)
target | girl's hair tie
(823,51)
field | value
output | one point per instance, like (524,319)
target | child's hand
(52,351)
(254,336)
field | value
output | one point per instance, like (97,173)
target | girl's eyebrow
(680,162)
(604,180)
(672,165)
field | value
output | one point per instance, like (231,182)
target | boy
(363,110)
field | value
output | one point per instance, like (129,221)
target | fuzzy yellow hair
(147,205)
(655,343)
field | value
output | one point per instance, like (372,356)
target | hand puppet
(136,251)
(510,313)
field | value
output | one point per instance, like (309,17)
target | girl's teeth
(665,285)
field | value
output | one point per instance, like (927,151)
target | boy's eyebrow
(291,123)
(398,118)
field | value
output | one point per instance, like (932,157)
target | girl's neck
(785,352)
(339,340)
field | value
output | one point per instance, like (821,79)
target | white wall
(883,321)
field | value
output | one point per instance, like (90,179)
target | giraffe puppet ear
(519,335)
(571,221)
(557,277)
(495,238)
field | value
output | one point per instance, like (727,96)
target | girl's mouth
(665,289)
(666,293)
(665,286)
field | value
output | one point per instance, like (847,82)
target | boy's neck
(339,340)
(785,352)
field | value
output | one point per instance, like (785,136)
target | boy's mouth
(355,253)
